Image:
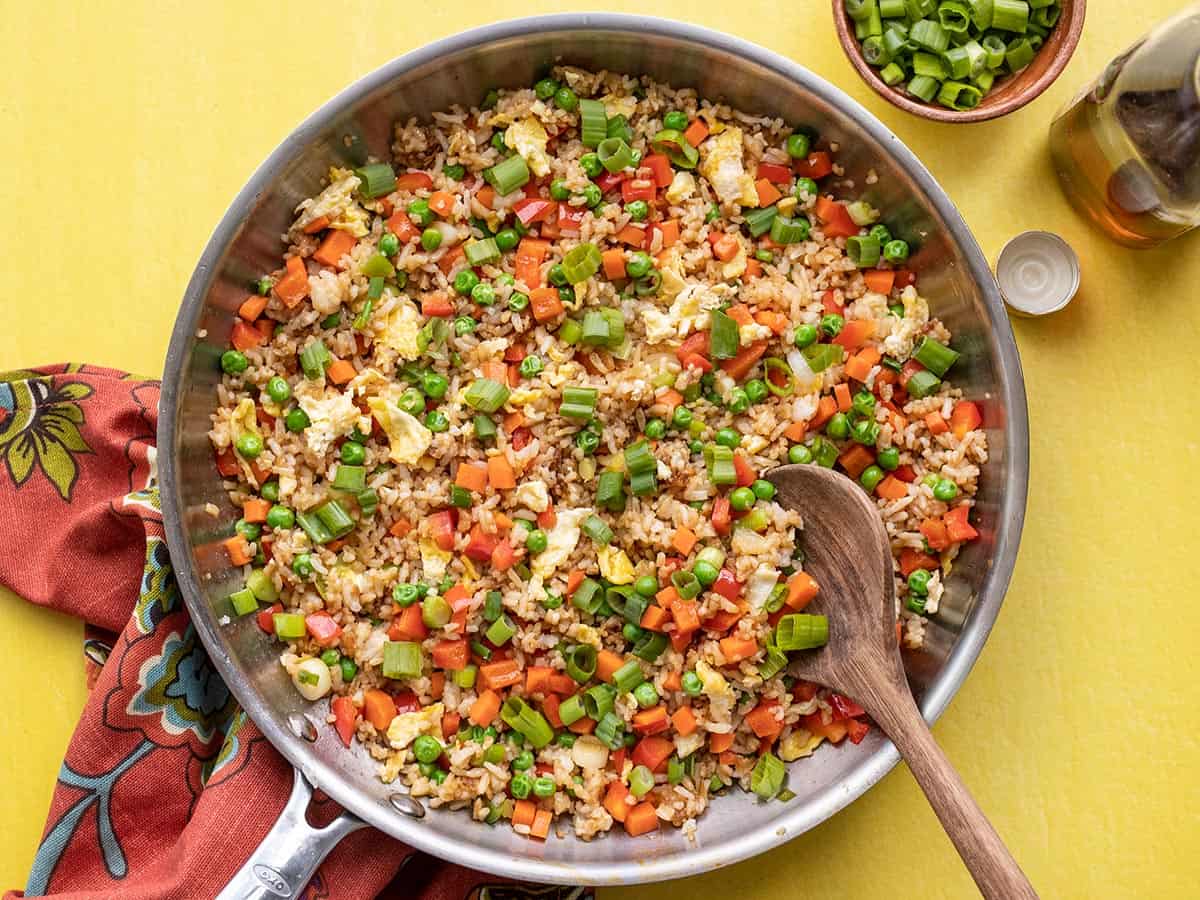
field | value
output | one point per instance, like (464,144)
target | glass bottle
(1127,148)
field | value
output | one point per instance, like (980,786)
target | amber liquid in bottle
(1127,150)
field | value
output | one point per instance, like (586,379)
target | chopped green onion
(578,402)
(507,175)
(759,220)
(1018,55)
(610,731)
(923,87)
(758,519)
(625,602)
(313,360)
(935,356)
(351,479)
(521,717)
(259,583)
(723,338)
(570,332)
(376,180)
(1010,15)
(766,778)
(610,492)
(401,659)
(486,395)
(713,555)
(289,626)
(673,145)
(597,529)
(598,700)
(335,518)
(571,710)
(891,74)
(628,676)
(786,230)
(775,364)
(687,585)
(650,646)
(501,631)
(801,631)
(720,464)
(581,262)
(378,267)
(244,601)
(596,330)
(479,253)
(863,250)
(614,154)
(821,356)
(493,606)
(581,662)
(775,662)
(593,119)
(485,428)
(641,781)
(930,35)
(314,528)
(922,384)
(588,596)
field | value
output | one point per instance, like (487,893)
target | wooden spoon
(847,551)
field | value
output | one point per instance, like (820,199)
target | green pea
(566,99)
(423,589)
(531,366)
(464,325)
(431,239)
(799,454)
(545,89)
(498,143)
(278,390)
(426,749)
(436,421)
(645,695)
(330,657)
(880,233)
(655,429)
(918,581)
(565,739)
(741,499)
(838,426)
(559,190)
(763,489)
(888,458)
(405,594)
(632,633)
(263,286)
(646,586)
(895,251)
(507,239)
(587,441)
(804,335)
(412,401)
(916,603)
(682,417)
(675,120)
(738,402)
(234,362)
(870,477)
(591,165)
(637,210)
(638,264)
(353,453)
(832,324)
(249,445)
(251,531)
(543,785)
(454,172)
(518,301)
(420,213)
(557,275)
(696,446)
(280,517)
(592,195)
(945,490)
(465,281)
(705,572)
(537,541)
(864,403)
(349,669)
(728,437)
(302,565)
(523,761)
(692,685)
(389,244)
(505,279)
(566,294)
(896,309)
(805,187)
(865,431)
(798,145)
(270,491)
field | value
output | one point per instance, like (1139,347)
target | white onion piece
(589,753)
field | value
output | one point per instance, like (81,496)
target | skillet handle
(282,864)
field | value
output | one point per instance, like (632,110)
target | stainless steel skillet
(358,122)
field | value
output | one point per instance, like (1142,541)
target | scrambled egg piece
(586,634)
(619,106)
(400,328)
(615,565)
(338,203)
(682,186)
(725,169)
(672,278)
(327,291)
(686,745)
(433,559)
(713,682)
(797,744)
(244,420)
(529,139)
(736,267)
(690,308)
(759,588)
(330,412)
(560,540)
(407,727)
(659,325)
(916,315)
(407,437)
(533,495)
(748,334)
(522,395)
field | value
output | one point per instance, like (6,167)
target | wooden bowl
(1010,93)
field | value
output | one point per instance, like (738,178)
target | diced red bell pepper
(911,560)
(266,618)
(844,707)
(322,628)
(652,752)
(747,358)
(638,189)
(438,305)
(905,473)
(746,476)
(696,361)
(817,164)
(530,211)
(547,518)
(570,218)
(227,464)
(727,585)
(609,181)
(408,625)
(904,277)
(910,368)
(481,545)
(805,690)
(521,438)
(406,702)
(693,344)
(965,418)
(957,526)
(344,715)
(504,557)
(441,525)
(835,220)
(660,168)
(451,655)
(774,173)
(413,181)
(721,515)
(935,534)
(856,730)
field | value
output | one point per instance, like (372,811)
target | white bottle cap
(1038,273)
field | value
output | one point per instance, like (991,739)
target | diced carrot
(293,286)
(255,509)
(320,223)
(802,590)
(776,321)
(652,752)
(547,518)
(472,476)
(402,227)
(763,720)
(936,424)
(252,307)
(486,195)
(767,192)
(524,812)
(741,314)
(753,268)
(855,458)
(934,532)
(495,370)
(667,597)
(244,336)
(684,540)
(238,550)
(796,431)
(735,649)
(453,655)
(528,263)
(485,708)
(341,371)
(891,488)
(633,235)
(582,726)
(438,305)
(574,580)
(841,394)
(378,708)
(835,221)
(451,258)
(673,681)
(500,473)
(505,555)
(336,245)
(670,398)
(502,520)
(442,203)
(854,333)
(607,663)
(614,263)
(726,247)
(696,132)
(965,418)
(541,824)
(615,800)
(642,819)
(651,721)
(408,625)
(686,615)
(545,303)
(669,231)
(719,743)
(413,181)
(437,684)
(654,618)
(911,560)
(537,679)
(550,709)
(879,280)
(500,674)
(739,367)
(858,368)
(400,528)
(834,732)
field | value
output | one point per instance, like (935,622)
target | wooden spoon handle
(988,860)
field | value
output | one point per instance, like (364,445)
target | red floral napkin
(167,784)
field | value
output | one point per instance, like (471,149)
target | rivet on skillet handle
(283,863)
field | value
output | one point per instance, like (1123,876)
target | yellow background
(126,127)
